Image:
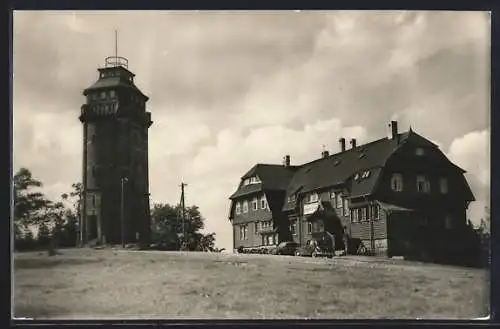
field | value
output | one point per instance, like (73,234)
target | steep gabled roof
(338,168)
(113,82)
(273,177)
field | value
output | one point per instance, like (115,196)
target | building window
(255,204)
(263,202)
(112,93)
(443,185)
(338,200)
(376,212)
(419,151)
(238,208)
(251,180)
(245,206)
(423,184)
(291,198)
(93,96)
(293,228)
(243,232)
(309,228)
(448,222)
(313,197)
(103,95)
(354,216)
(363,214)
(366,174)
(397,182)
(93,200)
(256,227)
(346,207)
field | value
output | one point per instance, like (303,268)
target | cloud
(471,152)
(230,89)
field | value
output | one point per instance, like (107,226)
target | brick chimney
(342,144)
(286,161)
(325,154)
(394,129)
(353,143)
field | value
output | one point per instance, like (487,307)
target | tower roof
(114,77)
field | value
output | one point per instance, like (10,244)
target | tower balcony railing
(114,61)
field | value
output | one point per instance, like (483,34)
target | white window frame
(443,185)
(397,182)
(263,202)
(426,184)
(355,216)
(293,228)
(366,174)
(309,227)
(346,207)
(313,197)
(238,208)
(243,232)
(255,204)
(376,212)
(339,201)
(245,206)
(291,198)
(364,214)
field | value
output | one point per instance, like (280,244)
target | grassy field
(86,283)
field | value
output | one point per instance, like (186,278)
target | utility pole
(183,213)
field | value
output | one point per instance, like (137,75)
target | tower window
(112,93)
(93,200)
(93,96)
(103,95)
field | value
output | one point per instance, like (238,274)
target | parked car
(313,249)
(287,248)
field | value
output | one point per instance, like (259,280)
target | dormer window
(251,180)
(356,177)
(419,151)
(366,174)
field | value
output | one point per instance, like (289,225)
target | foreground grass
(134,284)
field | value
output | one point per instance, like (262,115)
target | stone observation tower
(115,207)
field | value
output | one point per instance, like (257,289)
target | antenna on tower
(115,61)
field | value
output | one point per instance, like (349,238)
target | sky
(231,89)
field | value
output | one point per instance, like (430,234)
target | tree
(167,228)
(28,205)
